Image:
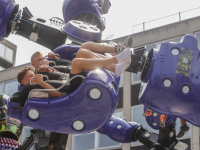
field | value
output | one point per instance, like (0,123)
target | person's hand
(52,56)
(45,62)
(39,78)
(44,68)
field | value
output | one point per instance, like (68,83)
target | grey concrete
(164,32)
(127,102)
(194,133)
(11,73)
(69,142)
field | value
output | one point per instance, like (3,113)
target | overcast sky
(122,15)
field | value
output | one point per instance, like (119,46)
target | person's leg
(81,64)
(98,48)
(183,122)
(184,128)
(84,53)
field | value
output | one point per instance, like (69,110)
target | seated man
(27,73)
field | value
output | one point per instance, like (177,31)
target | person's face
(27,77)
(37,60)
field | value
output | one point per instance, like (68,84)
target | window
(137,112)
(6,52)
(10,87)
(1,68)
(150,46)
(104,140)
(84,142)
(197,35)
(1,88)
(9,54)
(26,133)
(2,50)
(94,140)
(135,78)
(121,81)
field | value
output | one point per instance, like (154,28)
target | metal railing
(166,20)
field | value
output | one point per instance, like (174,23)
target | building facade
(129,106)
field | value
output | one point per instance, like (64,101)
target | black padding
(15,97)
(64,69)
(52,76)
(63,62)
(25,92)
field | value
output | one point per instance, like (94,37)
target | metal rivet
(111,122)
(186,89)
(175,51)
(167,83)
(155,114)
(155,124)
(119,126)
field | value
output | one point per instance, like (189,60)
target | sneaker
(182,131)
(120,47)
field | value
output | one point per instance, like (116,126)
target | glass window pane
(2,50)
(176,40)
(135,77)
(1,88)
(9,54)
(198,38)
(104,140)
(11,87)
(1,68)
(149,47)
(84,142)
(26,133)
(121,80)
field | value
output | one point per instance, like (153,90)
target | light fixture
(33,114)
(186,89)
(78,125)
(119,126)
(94,93)
(167,83)
(175,51)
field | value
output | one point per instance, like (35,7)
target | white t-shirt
(42,94)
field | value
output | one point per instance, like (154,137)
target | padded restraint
(15,97)
(54,76)
(64,69)
(25,92)
(63,62)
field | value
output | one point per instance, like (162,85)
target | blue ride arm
(119,130)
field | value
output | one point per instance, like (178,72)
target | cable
(25,21)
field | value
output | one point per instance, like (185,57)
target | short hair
(22,73)
(36,54)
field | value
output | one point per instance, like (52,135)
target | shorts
(76,82)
